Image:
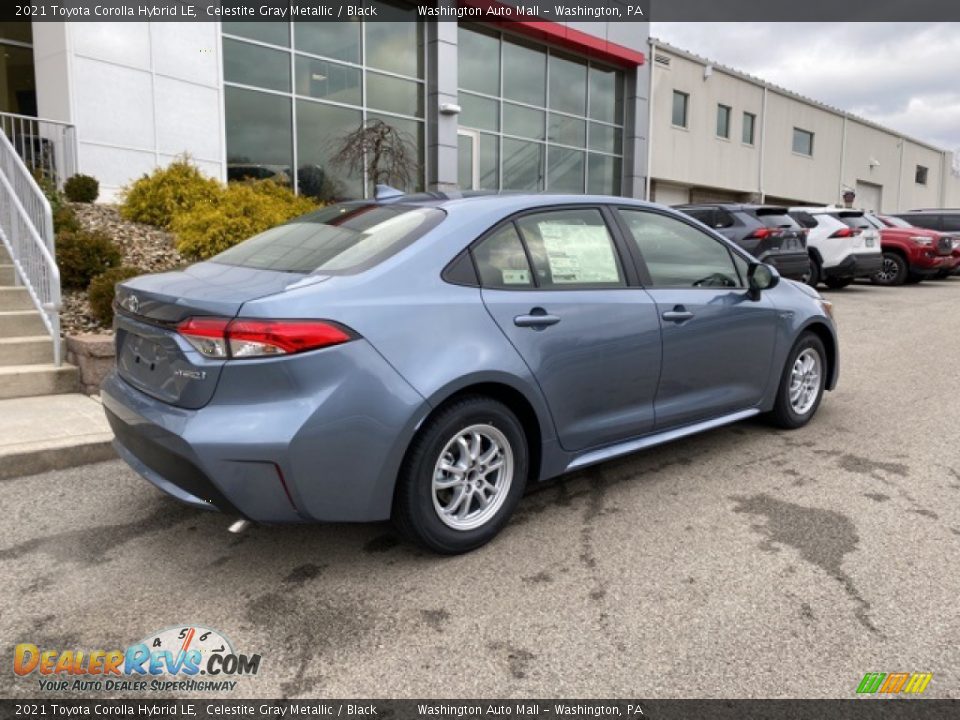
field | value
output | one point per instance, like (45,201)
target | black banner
(482,10)
(855,709)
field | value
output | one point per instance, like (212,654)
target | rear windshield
(775,218)
(804,218)
(857,221)
(337,240)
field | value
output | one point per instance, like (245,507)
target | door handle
(679,314)
(537,319)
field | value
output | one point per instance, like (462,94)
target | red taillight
(845,232)
(206,334)
(250,338)
(762,233)
(246,338)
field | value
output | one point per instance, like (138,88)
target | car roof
(730,206)
(517,200)
(827,209)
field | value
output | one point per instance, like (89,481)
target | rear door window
(703,215)
(337,240)
(502,262)
(929,221)
(951,223)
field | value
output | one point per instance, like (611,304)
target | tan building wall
(787,174)
(679,153)
(849,153)
(953,192)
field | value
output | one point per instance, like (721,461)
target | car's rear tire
(802,383)
(838,283)
(893,271)
(462,477)
(812,278)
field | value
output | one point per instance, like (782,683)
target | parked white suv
(842,243)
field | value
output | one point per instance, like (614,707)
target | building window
(723,121)
(749,127)
(803,142)
(681,102)
(18,90)
(921,175)
(293,91)
(544,120)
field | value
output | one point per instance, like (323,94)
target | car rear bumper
(793,265)
(322,439)
(856,265)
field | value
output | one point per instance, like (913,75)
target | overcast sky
(905,76)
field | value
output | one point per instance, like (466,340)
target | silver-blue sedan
(425,357)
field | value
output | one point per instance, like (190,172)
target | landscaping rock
(143,246)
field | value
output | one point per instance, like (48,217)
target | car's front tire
(812,276)
(462,477)
(893,270)
(802,383)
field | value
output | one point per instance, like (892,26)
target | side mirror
(760,277)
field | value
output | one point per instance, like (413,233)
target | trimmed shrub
(49,188)
(65,220)
(179,187)
(103,288)
(82,255)
(81,188)
(242,210)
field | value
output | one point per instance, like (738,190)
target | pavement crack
(822,537)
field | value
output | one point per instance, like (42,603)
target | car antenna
(385,192)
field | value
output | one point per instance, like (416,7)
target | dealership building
(513,105)
(718,134)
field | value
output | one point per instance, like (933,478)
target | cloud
(901,75)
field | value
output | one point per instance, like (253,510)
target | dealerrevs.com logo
(185,658)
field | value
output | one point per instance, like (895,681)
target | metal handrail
(26,231)
(48,147)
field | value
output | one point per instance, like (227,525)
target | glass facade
(295,90)
(556,120)
(18,90)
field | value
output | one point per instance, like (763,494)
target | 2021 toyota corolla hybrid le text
(424,358)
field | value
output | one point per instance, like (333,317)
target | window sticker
(516,277)
(581,254)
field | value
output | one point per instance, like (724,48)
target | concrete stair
(26,350)
(45,422)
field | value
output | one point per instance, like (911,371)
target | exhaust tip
(238,526)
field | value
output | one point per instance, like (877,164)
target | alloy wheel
(805,381)
(472,477)
(888,271)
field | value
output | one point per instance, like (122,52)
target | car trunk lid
(780,233)
(152,356)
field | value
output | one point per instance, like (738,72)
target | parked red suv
(910,254)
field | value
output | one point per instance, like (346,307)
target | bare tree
(387,154)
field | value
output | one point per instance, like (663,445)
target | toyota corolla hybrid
(423,358)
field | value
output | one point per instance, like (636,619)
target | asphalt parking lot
(746,562)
